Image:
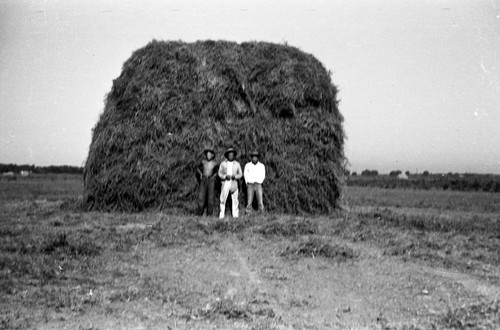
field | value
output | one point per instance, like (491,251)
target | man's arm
(221,171)
(199,172)
(263,172)
(215,170)
(247,172)
(238,174)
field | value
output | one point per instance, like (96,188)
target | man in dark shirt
(207,171)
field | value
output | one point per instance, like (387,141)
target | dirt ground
(64,269)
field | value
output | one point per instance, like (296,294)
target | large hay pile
(174,98)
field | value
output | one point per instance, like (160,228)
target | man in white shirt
(255,173)
(229,172)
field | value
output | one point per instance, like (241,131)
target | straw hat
(254,153)
(228,150)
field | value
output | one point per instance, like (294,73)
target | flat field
(391,259)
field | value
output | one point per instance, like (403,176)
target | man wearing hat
(206,173)
(255,173)
(229,173)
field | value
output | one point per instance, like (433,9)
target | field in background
(41,186)
(394,258)
(449,181)
(481,202)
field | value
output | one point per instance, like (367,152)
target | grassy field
(41,186)
(392,259)
(449,181)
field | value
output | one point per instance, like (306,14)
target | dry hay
(173,98)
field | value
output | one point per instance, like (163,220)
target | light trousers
(225,192)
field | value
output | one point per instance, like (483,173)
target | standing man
(206,173)
(229,173)
(255,173)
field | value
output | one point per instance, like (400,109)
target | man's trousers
(254,189)
(225,192)
(206,195)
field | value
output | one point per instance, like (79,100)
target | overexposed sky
(419,81)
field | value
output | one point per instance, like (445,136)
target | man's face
(230,156)
(210,155)
(255,159)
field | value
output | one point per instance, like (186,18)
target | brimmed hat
(228,150)
(207,149)
(254,153)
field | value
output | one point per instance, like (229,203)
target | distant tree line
(55,169)
(369,173)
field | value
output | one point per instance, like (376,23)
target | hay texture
(173,98)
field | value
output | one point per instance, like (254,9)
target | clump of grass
(316,247)
(288,228)
(57,223)
(36,266)
(76,299)
(72,247)
(228,309)
(7,285)
(222,226)
(12,321)
(9,232)
(17,241)
(484,315)
(232,311)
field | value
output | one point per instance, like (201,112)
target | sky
(419,81)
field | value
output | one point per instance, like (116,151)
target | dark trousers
(254,188)
(206,195)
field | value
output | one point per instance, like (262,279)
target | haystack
(173,98)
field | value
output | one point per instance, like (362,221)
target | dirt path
(372,290)
(253,277)
(489,291)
